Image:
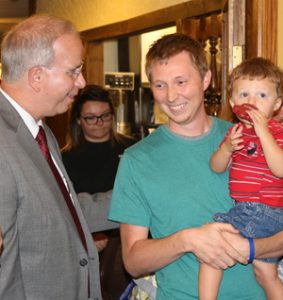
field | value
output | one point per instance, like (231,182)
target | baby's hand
(242,110)
(260,122)
(234,142)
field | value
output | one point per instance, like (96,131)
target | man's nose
(80,81)
(171,93)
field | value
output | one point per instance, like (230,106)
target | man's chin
(65,105)
(59,110)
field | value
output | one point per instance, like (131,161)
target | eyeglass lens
(94,119)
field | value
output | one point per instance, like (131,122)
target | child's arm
(221,158)
(272,151)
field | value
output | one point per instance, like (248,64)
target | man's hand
(238,242)
(211,247)
(100,240)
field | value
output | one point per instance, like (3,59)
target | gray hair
(30,44)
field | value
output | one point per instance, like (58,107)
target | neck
(192,129)
(97,140)
(21,95)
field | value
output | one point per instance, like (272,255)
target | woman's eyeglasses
(92,120)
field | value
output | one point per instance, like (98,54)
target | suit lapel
(55,153)
(25,142)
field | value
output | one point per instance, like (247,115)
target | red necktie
(42,142)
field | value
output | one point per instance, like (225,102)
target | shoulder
(122,142)
(222,123)
(149,144)
(69,154)
(221,126)
(126,140)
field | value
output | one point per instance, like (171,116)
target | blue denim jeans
(255,220)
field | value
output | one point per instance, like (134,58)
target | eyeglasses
(73,73)
(92,120)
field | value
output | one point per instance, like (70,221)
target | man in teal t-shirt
(164,185)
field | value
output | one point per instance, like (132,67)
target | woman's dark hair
(92,92)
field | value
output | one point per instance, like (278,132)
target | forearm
(149,255)
(273,154)
(264,247)
(220,160)
(269,247)
(143,256)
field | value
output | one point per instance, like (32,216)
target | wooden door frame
(262,29)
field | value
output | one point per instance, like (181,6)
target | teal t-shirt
(164,182)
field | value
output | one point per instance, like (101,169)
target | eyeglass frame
(73,73)
(101,117)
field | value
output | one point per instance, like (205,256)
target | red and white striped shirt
(250,177)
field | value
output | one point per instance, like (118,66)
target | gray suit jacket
(43,256)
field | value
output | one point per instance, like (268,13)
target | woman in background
(94,147)
(91,158)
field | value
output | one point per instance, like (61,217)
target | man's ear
(206,80)
(35,78)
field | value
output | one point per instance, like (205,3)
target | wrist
(188,240)
(252,250)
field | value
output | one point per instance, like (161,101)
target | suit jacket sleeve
(95,209)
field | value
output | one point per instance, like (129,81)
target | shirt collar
(31,124)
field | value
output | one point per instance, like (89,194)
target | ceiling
(13,11)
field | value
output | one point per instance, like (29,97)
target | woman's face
(96,121)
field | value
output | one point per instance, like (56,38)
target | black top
(92,167)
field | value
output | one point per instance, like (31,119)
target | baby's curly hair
(257,68)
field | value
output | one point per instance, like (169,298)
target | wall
(88,14)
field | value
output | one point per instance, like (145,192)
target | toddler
(252,149)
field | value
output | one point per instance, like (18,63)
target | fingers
(237,128)
(101,244)
(214,250)
(219,258)
(257,117)
(234,243)
(260,122)
(239,243)
(235,138)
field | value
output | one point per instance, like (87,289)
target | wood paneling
(155,20)
(262,29)
(93,70)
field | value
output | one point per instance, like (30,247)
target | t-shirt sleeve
(128,204)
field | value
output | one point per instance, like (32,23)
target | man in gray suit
(44,256)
